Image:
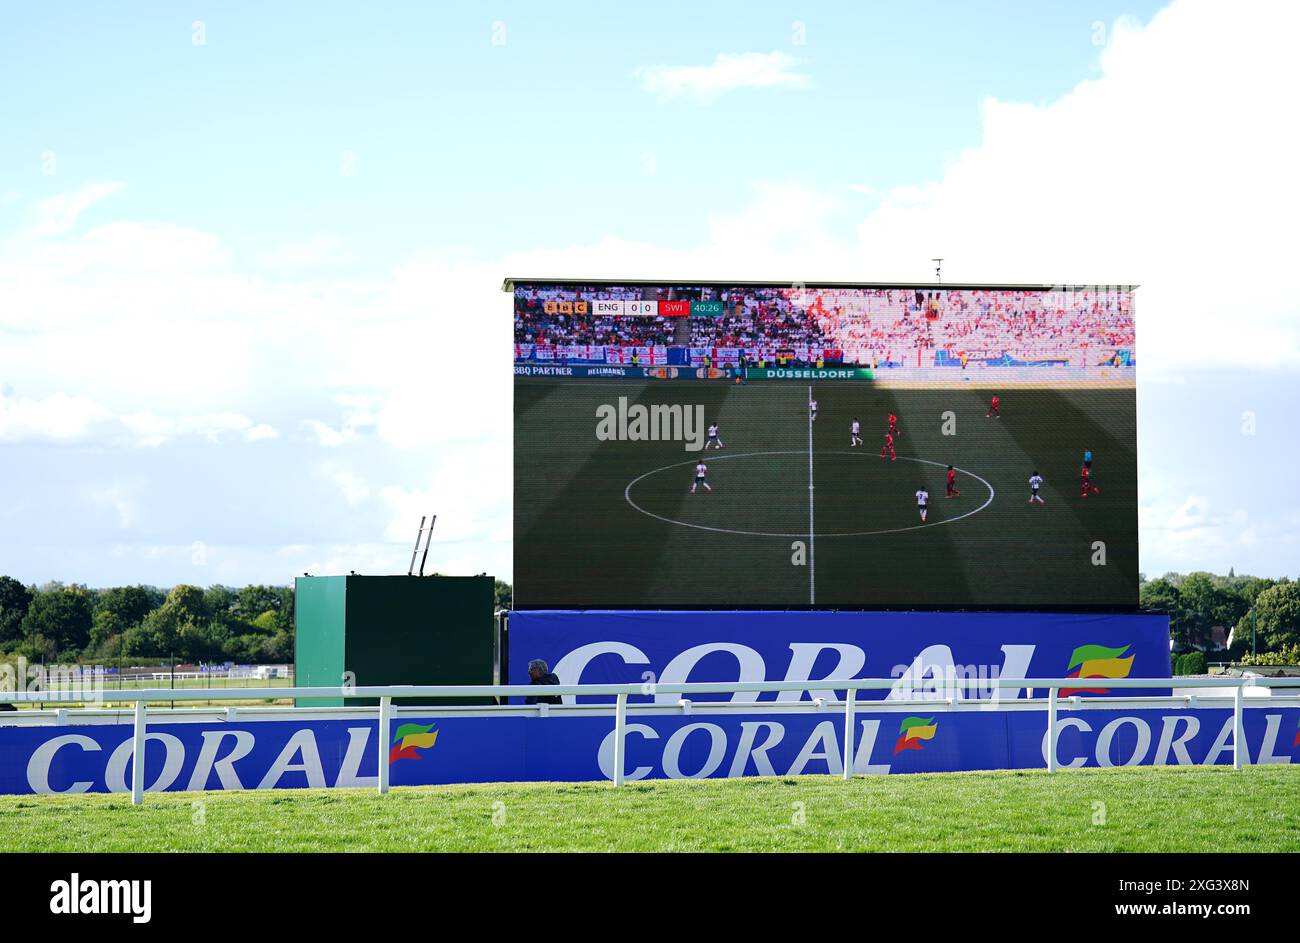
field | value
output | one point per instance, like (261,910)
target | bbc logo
(564,307)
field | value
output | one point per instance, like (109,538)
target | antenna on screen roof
(938,270)
(426,535)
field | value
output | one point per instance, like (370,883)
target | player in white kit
(855,433)
(1035,482)
(812,410)
(700,471)
(713,437)
(922,499)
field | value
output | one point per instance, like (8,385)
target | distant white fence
(944,698)
(236,673)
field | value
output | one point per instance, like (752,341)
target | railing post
(385,722)
(850,701)
(137,756)
(1239,753)
(1051,729)
(620,734)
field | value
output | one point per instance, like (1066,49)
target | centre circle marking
(627,495)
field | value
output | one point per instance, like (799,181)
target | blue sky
(463,120)
(249,256)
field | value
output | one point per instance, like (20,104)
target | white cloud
(55,418)
(319,249)
(261,433)
(1179,534)
(1190,516)
(367,558)
(58,214)
(729,71)
(788,222)
(153,430)
(358,415)
(66,418)
(115,498)
(328,436)
(785,231)
(354,487)
(1192,533)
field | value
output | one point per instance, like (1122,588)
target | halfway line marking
(812,530)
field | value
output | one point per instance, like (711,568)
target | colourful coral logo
(914,730)
(1097,661)
(1296,742)
(409,739)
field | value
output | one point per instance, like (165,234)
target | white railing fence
(943,696)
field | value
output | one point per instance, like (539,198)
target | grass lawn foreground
(1107,810)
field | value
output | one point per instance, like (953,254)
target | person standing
(1085,475)
(1035,482)
(701,472)
(540,673)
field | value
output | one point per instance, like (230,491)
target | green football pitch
(799,517)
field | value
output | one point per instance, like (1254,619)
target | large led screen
(909,446)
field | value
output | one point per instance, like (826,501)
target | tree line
(57,623)
(1200,602)
(66,623)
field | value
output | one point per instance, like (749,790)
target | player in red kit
(893,424)
(1085,476)
(889,447)
(995,408)
(952,483)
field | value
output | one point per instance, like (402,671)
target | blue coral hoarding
(920,649)
(443,748)
(784,733)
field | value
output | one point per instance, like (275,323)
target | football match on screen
(778,445)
